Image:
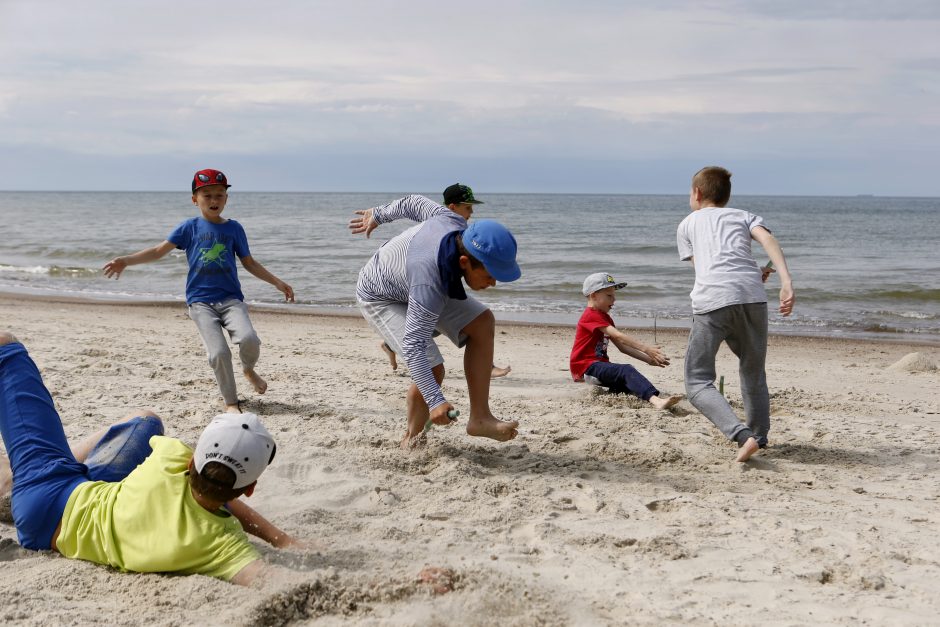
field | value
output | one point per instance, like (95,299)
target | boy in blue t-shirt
(213,293)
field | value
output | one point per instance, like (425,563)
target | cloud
(501,80)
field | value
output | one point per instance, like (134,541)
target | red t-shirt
(590,343)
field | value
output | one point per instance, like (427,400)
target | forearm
(260,271)
(766,239)
(415,208)
(144,256)
(634,352)
(256,524)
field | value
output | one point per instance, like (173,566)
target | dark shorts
(45,473)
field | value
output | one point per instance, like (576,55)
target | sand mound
(914,362)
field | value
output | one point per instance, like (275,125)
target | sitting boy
(589,361)
(164,515)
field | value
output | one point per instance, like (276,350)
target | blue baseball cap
(492,244)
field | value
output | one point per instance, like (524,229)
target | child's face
(476,278)
(211,201)
(464,209)
(602,300)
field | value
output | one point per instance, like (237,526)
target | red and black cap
(205,178)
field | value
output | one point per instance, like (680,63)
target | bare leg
(418,413)
(392,358)
(478,364)
(665,403)
(747,449)
(500,372)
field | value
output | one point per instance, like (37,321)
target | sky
(800,97)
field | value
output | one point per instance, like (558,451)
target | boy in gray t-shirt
(729,305)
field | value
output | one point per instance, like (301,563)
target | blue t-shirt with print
(211,250)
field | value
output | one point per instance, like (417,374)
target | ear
(250,488)
(464,262)
(195,202)
(697,194)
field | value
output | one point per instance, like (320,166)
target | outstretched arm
(259,526)
(416,208)
(116,266)
(629,346)
(262,273)
(772,247)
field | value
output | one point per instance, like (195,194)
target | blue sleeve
(425,303)
(182,235)
(416,208)
(240,244)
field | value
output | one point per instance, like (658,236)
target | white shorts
(388,319)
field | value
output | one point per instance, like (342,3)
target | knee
(483,325)
(251,341)
(438,371)
(151,420)
(7,338)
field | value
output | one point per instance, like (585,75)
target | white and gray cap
(238,441)
(599,281)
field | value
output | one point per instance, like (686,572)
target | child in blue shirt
(213,292)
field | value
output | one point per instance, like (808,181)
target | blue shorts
(45,473)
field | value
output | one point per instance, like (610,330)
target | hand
(287,290)
(765,273)
(365,223)
(657,357)
(115,267)
(439,414)
(787,300)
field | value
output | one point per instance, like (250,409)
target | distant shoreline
(512,319)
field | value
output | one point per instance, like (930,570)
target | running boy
(411,289)
(140,502)
(589,361)
(729,304)
(213,293)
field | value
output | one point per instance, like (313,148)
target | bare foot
(747,449)
(259,384)
(500,372)
(493,428)
(392,358)
(665,403)
(232,409)
(413,442)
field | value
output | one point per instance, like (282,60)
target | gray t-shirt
(719,240)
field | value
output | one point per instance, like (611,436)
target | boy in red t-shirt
(589,361)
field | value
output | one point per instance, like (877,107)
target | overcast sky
(795,97)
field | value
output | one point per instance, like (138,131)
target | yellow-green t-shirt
(150,522)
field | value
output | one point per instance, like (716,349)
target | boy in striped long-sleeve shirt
(412,289)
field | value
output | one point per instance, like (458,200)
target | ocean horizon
(863,266)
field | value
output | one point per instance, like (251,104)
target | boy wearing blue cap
(595,330)
(213,292)
(129,497)
(412,289)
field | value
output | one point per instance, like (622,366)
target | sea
(862,266)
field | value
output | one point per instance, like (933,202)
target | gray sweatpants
(231,315)
(744,328)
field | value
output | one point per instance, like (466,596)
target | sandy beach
(603,511)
